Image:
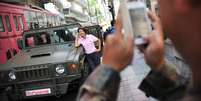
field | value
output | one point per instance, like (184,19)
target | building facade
(76,11)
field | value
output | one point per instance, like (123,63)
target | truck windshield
(37,39)
(65,34)
(55,35)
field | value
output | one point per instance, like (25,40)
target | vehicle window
(93,30)
(14,51)
(8,55)
(2,29)
(37,39)
(21,22)
(16,24)
(65,35)
(8,23)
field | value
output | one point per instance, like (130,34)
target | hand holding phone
(154,50)
(136,21)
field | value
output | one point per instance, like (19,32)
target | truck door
(19,28)
(5,33)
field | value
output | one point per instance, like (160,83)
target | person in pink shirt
(87,41)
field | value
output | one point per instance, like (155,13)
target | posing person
(88,43)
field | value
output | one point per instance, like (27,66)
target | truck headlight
(12,76)
(72,68)
(60,69)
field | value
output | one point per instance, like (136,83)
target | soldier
(181,19)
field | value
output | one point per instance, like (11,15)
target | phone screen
(139,21)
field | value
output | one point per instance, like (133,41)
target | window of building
(53,20)
(34,20)
(31,19)
(21,22)
(2,29)
(45,20)
(8,25)
(49,21)
(16,24)
(40,19)
(28,18)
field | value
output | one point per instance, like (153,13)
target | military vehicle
(48,64)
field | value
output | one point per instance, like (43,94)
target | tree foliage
(94,9)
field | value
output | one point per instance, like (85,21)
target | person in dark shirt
(110,30)
(181,19)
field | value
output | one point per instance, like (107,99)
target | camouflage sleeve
(101,85)
(172,73)
(164,85)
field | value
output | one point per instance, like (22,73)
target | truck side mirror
(20,43)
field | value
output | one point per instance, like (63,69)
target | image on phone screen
(139,21)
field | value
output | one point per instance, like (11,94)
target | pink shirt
(88,43)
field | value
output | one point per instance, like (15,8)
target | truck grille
(33,72)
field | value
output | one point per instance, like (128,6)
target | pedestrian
(110,30)
(181,20)
(88,43)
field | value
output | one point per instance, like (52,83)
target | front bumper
(56,86)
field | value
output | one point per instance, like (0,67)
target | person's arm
(99,45)
(164,79)
(77,43)
(101,85)
(165,85)
(154,52)
(169,70)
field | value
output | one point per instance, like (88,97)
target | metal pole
(111,8)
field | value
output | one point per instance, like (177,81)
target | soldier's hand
(154,52)
(118,52)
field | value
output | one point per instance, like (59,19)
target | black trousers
(93,60)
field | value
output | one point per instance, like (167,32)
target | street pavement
(131,77)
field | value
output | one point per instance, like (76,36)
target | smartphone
(136,21)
